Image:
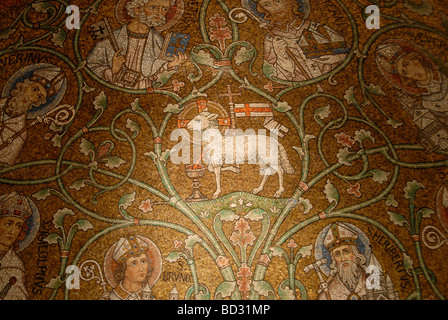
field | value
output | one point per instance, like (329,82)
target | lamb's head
(204,120)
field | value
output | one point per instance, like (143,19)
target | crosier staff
(65,114)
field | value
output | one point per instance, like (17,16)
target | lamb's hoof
(255,191)
(215,196)
(278,194)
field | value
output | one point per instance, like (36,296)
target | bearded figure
(28,94)
(347,280)
(139,47)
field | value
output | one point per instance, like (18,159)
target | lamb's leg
(280,183)
(261,186)
(217,171)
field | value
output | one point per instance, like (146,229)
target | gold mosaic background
(86,170)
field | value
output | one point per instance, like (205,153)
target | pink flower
(344,139)
(177,244)
(146,206)
(177,85)
(292,244)
(355,189)
(269,87)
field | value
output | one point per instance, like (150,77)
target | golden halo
(173,16)
(152,252)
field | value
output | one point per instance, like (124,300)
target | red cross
(247,109)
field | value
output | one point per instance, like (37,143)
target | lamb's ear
(213,116)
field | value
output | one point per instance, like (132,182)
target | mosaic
(134,143)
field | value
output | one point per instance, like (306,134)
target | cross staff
(102,30)
(230,95)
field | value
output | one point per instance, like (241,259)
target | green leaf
(84,224)
(87,148)
(78,184)
(55,283)
(411,189)
(322,112)
(425,212)
(42,194)
(227,215)
(379,176)
(307,206)
(264,288)
(41,6)
(331,193)
(202,294)
(350,96)
(173,108)
(6,33)
(203,57)
(191,241)
(343,155)
(225,289)
(285,292)
(113,161)
(58,217)
(305,251)
(375,89)
(100,101)
(397,218)
(391,202)
(163,78)
(408,264)
(59,38)
(126,200)
(243,55)
(282,106)
(57,140)
(52,238)
(269,70)
(394,123)
(278,252)
(362,134)
(255,214)
(133,127)
(173,256)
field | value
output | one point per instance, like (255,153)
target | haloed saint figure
(16,217)
(136,54)
(137,266)
(31,91)
(296,48)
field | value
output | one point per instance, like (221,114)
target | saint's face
(34,94)
(343,254)
(278,11)
(153,13)
(10,228)
(413,69)
(136,269)
(157,7)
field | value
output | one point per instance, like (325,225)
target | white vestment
(141,54)
(296,38)
(9,127)
(12,266)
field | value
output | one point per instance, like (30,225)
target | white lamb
(216,163)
